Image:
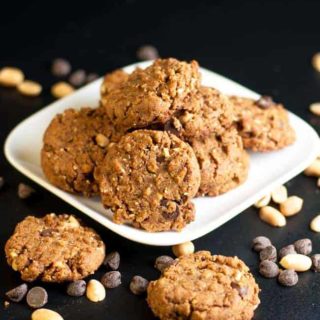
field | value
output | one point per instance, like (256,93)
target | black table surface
(266,46)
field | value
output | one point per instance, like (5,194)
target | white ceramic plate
(23,145)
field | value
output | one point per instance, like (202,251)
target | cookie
(113,81)
(148,179)
(204,287)
(263,124)
(151,95)
(223,162)
(74,143)
(54,248)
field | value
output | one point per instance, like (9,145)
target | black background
(266,46)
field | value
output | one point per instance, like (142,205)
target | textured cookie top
(262,124)
(148,178)
(54,248)
(113,81)
(74,143)
(153,94)
(201,286)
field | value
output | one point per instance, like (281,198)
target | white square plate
(23,145)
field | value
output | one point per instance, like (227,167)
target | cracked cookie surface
(113,81)
(74,143)
(263,124)
(200,286)
(54,248)
(148,179)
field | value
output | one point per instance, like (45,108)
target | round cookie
(262,124)
(152,95)
(204,287)
(112,81)
(148,179)
(54,248)
(223,162)
(74,143)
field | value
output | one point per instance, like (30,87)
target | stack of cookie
(157,140)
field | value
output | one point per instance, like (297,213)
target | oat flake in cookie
(54,248)
(148,179)
(74,143)
(204,287)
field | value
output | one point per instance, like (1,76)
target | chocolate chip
(91,77)
(161,159)
(286,250)
(25,191)
(112,260)
(147,52)
(316,262)
(260,243)
(268,269)
(303,246)
(265,102)
(1,182)
(242,290)
(163,262)
(171,215)
(77,78)
(138,285)
(46,232)
(60,67)
(18,293)
(269,253)
(77,288)
(37,297)
(288,278)
(111,279)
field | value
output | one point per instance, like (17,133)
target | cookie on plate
(54,248)
(263,124)
(224,164)
(113,81)
(148,179)
(73,144)
(204,287)
(151,95)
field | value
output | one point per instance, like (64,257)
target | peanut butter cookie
(148,179)
(113,81)
(54,248)
(204,287)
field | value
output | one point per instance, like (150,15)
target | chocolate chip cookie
(54,248)
(74,143)
(148,179)
(113,81)
(263,124)
(223,162)
(204,287)
(152,95)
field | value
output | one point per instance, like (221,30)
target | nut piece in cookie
(263,124)
(75,142)
(148,179)
(54,248)
(201,286)
(152,95)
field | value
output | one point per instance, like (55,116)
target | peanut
(29,88)
(264,201)
(314,169)
(316,61)
(45,314)
(102,140)
(297,262)
(272,216)
(183,249)
(11,77)
(61,89)
(95,291)
(280,194)
(291,206)
(315,224)
(315,108)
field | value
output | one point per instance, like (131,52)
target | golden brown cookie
(200,286)
(54,248)
(148,179)
(74,143)
(223,162)
(151,95)
(262,124)
(113,81)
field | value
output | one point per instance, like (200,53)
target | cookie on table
(263,124)
(112,81)
(152,95)
(54,248)
(204,287)
(224,164)
(148,179)
(73,144)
